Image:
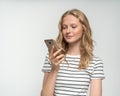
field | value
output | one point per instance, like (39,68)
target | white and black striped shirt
(72,81)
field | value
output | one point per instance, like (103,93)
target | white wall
(25,24)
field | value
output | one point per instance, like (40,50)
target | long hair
(86,42)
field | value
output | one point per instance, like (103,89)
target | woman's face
(71,29)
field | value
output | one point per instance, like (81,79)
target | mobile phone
(51,42)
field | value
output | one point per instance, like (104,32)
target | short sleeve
(47,65)
(98,72)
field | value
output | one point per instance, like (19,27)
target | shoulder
(47,56)
(97,59)
(96,62)
(96,65)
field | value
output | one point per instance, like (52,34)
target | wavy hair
(86,42)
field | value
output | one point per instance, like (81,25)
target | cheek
(63,33)
(79,32)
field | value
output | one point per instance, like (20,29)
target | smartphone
(51,42)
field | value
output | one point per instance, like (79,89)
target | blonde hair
(86,42)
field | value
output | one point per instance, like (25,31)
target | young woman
(70,73)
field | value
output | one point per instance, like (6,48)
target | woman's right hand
(56,57)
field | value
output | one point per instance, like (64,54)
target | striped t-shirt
(72,81)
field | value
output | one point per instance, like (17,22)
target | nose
(68,30)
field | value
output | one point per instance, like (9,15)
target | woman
(70,73)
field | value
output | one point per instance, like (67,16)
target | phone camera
(49,42)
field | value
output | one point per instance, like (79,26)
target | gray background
(25,24)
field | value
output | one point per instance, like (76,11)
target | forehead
(70,19)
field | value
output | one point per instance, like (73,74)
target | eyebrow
(69,24)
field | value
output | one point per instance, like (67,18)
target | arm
(50,77)
(49,83)
(96,87)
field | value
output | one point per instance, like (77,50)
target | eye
(64,27)
(73,26)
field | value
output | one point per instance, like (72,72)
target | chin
(70,41)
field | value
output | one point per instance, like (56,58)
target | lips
(69,37)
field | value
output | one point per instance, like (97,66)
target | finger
(51,53)
(57,52)
(60,56)
(63,51)
(60,61)
(51,50)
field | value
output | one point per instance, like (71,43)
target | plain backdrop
(24,24)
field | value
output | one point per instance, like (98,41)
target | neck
(74,49)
